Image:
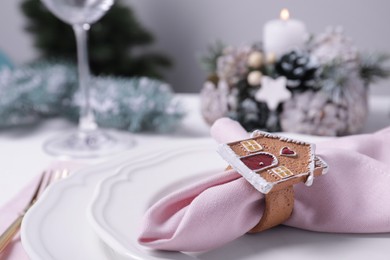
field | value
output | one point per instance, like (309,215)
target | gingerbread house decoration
(271,162)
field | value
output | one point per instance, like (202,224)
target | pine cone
(232,65)
(318,113)
(333,46)
(299,69)
(214,101)
(251,114)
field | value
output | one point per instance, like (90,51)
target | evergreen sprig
(37,91)
(209,60)
(374,66)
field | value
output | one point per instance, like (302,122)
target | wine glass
(88,140)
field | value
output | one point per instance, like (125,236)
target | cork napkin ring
(273,165)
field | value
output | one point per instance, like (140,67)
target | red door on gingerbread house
(259,161)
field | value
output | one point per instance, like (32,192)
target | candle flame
(284,14)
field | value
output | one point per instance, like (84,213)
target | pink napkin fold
(352,198)
(10,211)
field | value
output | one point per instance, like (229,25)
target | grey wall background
(184,28)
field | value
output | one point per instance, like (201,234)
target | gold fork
(46,178)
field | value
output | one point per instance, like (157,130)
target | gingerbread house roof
(271,162)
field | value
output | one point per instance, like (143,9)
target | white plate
(120,200)
(57,227)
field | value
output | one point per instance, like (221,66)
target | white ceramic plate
(57,227)
(120,200)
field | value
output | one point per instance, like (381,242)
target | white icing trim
(257,133)
(324,165)
(258,182)
(310,178)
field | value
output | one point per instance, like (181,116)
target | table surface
(22,156)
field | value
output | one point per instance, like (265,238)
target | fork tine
(65,173)
(49,179)
(59,174)
(55,176)
(37,189)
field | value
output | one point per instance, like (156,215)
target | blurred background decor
(46,89)
(114,41)
(326,76)
(126,92)
(5,61)
(185,31)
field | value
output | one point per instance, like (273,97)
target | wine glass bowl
(78,11)
(88,140)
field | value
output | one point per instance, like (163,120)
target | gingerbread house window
(251,146)
(282,171)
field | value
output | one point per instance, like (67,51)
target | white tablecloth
(22,156)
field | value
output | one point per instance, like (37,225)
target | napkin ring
(273,164)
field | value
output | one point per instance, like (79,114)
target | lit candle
(284,34)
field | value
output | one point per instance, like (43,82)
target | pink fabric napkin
(10,211)
(352,198)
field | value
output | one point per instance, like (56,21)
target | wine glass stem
(87,118)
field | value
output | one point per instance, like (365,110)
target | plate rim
(47,199)
(104,187)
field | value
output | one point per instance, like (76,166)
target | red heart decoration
(287,151)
